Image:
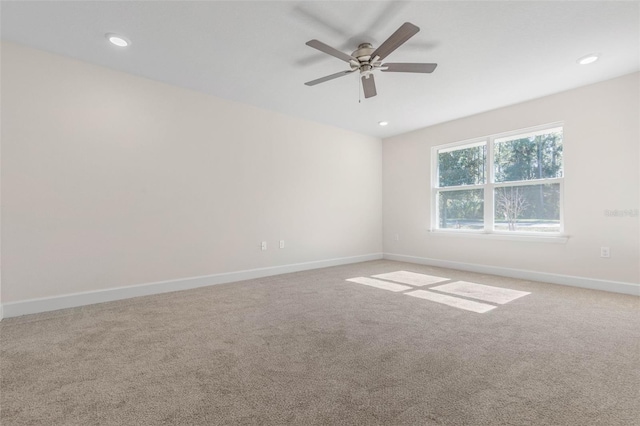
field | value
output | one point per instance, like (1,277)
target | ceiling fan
(366,59)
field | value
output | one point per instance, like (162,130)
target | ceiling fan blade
(402,34)
(328,77)
(316,44)
(369,86)
(408,67)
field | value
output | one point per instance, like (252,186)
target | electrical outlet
(605,252)
(281,243)
(264,245)
(396,237)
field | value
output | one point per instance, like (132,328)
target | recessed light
(589,59)
(117,40)
(383,123)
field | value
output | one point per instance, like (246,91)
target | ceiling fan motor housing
(363,55)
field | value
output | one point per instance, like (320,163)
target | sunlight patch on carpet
(384,285)
(468,305)
(411,278)
(481,292)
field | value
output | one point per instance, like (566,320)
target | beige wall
(112,180)
(601,145)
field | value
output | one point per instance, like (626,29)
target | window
(508,183)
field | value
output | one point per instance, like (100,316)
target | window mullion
(531,182)
(460,188)
(488,188)
(435,218)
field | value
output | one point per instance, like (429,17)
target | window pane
(530,208)
(462,165)
(461,209)
(526,157)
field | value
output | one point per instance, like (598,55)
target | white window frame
(489,187)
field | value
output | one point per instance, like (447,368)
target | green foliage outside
(523,159)
(537,157)
(463,166)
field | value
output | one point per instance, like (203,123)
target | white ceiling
(489,54)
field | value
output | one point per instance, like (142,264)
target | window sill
(554,239)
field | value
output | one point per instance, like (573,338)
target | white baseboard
(45,304)
(590,283)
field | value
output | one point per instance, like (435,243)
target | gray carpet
(310,348)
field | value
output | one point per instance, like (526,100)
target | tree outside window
(501,183)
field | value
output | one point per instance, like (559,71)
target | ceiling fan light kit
(366,59)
